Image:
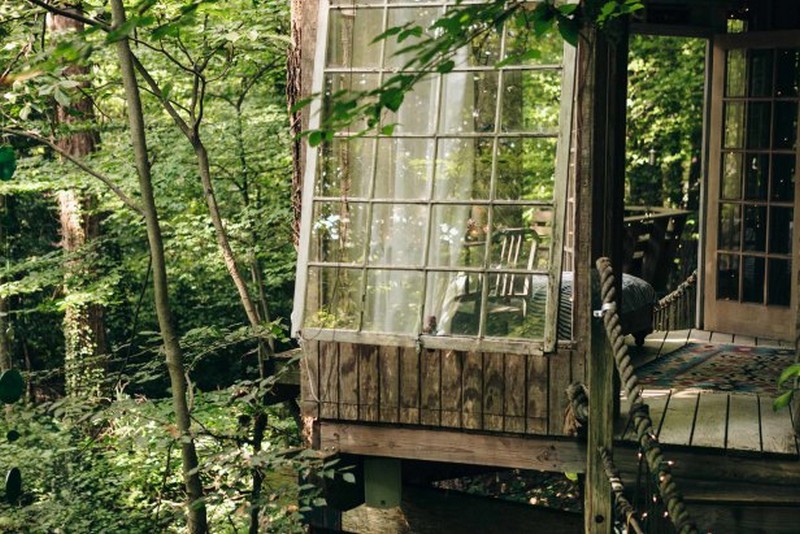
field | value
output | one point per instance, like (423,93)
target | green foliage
(8,163)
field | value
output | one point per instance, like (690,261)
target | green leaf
(446,66)
(790,372)
(11,386)
(388,129)
(349,477)
(392,98)
(13,485)
(8,163)
(61,97)
(568,29)
(315,138)
(568,9)
(782,401)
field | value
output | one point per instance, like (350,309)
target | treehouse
(447,295)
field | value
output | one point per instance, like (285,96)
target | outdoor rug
(719,367)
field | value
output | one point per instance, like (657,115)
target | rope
(623,506)
(663,317)
(638,410)
(679,292)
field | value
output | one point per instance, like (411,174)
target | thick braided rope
(679,292)
(625,509)
(637,408)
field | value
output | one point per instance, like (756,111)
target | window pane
(729,221)
(338,232)
(453,303)
(334,298)
(346,168)
(350,38)
(783,171)
(393,302)
(528,49)
(780,230)
(734,85)
(788,75)
(405,168)
(732,176)
(753,273)
(455,239)
(785,125)
(756,176)
(398,234)
(760,73)
(531,101)
(415,114)
(758,124)
(521,237)
(755,228)
(520,312)
(482,52)
(779,291)
(342,83)
(727,277)
(463,169)
(734,125)
(526,168)
(423,17)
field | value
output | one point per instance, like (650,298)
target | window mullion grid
(371,192)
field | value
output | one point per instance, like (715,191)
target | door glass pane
(785,125)
(393,301)
(755,228)
(780,230)
(734,124)
(760,73)
(756,176)
(732,176)
(727,277)
(532,50)
(779,291)
(734,85)
(398,234)
(788,76)
(753,279)
(758,124)
(729,222)
(783,172)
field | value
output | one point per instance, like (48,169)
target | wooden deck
(710,419)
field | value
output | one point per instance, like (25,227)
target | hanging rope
(682,299)
(623,506)
(638,410)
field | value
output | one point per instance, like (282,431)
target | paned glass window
(446,227)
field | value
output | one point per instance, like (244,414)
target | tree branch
(182,124)
(71,14)
(78,163)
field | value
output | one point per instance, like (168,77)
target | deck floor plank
(776,429)
(711,420)
(657,400)
(743,428)
(678,420)
(721,337)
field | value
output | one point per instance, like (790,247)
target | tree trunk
(83,324)
(174,355)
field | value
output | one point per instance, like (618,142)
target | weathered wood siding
(491,391)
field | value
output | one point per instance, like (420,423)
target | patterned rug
(719,367)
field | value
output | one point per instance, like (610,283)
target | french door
(751,251)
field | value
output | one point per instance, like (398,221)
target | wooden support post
(600,126)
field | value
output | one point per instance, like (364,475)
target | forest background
(94,437)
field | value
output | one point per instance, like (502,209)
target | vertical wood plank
(578,363)
(368,383)
(309,379)
(329,379)
(711,420)
(409,385)
(493,391)
(348,382)
(536,402)
(389,380)
(777,434)
(430,365)
(560,371)
(472,389)
(678,422)
(743,428)
(451,388)
(514,413)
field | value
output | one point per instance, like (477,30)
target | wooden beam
(473,448)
